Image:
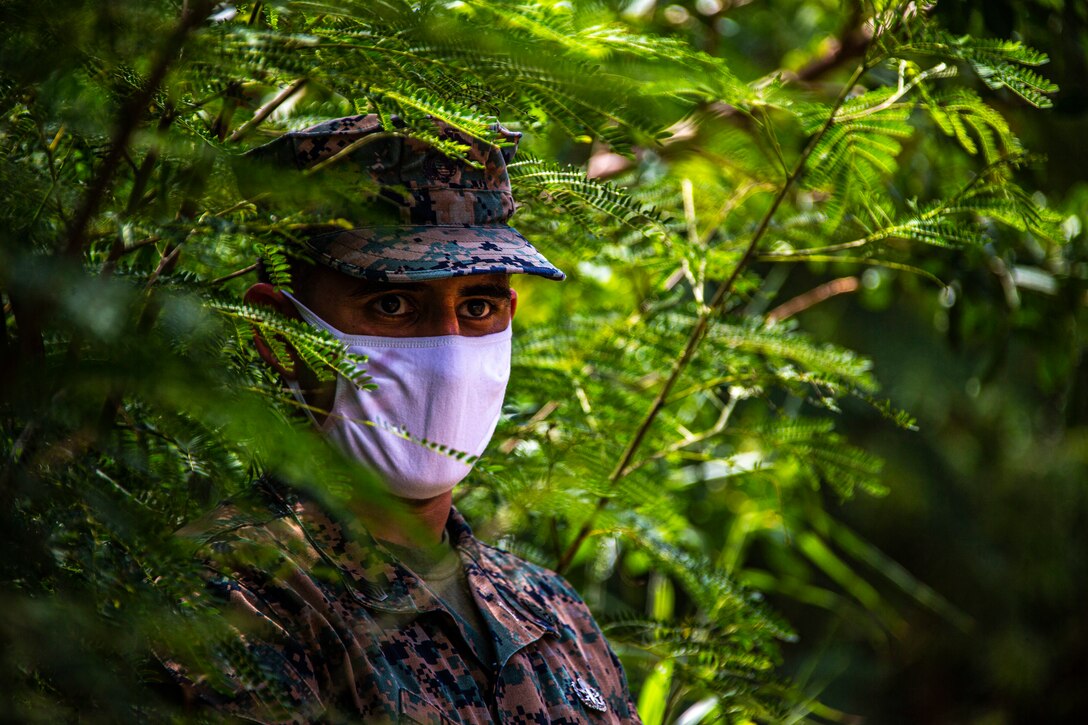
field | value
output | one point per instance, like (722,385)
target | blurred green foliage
(789,202)
(987,500)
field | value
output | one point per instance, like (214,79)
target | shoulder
(258,517)
(260,503)
(253,554)
(528,575)
(547,593)
(253,666)
(579,642)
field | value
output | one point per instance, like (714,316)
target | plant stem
(143,174)
(237,273)
(129,117)
(698,333)
(802,302)
(266,110)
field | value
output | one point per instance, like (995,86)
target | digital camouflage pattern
(443,216)
(342,632)
(390,254)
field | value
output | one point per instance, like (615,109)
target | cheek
(360,320)
(501,321)
(491,324)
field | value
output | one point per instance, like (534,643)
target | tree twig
(721,295)
(255,13)
(167,261)
(129,117)
(143,174)
(691,439)
(840,286)
(237,273)
(50,148)
(266,110)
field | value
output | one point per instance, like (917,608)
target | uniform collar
(379,581)
(505,572)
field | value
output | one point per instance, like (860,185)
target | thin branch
(255,13)
(155,238)
(237,273)
(842,246)
(858,260)
(721,295)
(740,196)
(802,302)
(143,174)
(240,205)
(167,261)
(350,149)
(50,148)
(690,440)
(120,249)
(127,119)
(768,130)
(901,90)
(540,416)
(266,110)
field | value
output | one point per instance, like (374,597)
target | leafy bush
(666,409)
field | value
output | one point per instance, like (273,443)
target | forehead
(332,286)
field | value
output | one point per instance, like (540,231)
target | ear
(263,294)
(513,302)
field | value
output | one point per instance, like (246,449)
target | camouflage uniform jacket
(343,632)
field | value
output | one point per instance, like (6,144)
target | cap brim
(417,253)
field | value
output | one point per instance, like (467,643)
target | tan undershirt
(441,569)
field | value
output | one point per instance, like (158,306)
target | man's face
(472,305)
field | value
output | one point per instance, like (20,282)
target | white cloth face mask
(432,391)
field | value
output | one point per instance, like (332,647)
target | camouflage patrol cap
(419,213)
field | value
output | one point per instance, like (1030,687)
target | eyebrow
(367,287)
(486,290)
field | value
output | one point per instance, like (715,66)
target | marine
(363,614)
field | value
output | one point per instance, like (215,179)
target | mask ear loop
(296,390)
(309,316)
(312,319)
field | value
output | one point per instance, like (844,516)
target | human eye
(391,305)
(477,309)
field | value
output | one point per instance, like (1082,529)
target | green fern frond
(699,644)
(320,351)
(848,369)
(822,456)
(964,116)
(942,232)
(721,599)
(575,193)
(276,265)
(857,153)
(999,63)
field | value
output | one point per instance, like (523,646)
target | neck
(409,522)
